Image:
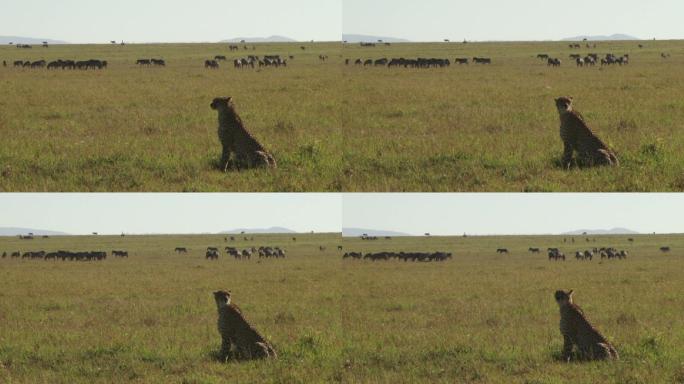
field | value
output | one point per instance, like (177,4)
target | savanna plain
(337,127)
(146,128)
(480,317)
(494,127)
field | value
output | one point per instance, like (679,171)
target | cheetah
(577,136)
(577,330)
(235,139)
(239,339)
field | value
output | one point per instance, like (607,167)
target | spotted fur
(237,141)
(578,331)
(578,137)
(239,340)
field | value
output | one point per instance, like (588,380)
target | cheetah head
(564,104)
(563,298)
(222,298)
(219,102)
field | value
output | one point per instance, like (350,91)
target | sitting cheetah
(577,330)
(235,139)
(577,136)
(238,338)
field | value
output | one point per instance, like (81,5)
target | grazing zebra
(556,254)
(211,64)
(212,254)
(120,254)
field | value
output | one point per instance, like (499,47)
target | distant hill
(351,38)
(270,39)
(27,40)
(615,37)
(11,231)
(614,231)
(259,230)
(357,232)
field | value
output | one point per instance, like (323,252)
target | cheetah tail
(614,160)
(271,160)
(613,352)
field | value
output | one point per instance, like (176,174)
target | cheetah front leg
(567,348)
(567,155)
(226,161)
(226,347)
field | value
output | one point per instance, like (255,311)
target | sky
(95,21)
(79,214)
(88,21)
(435,20)
(492,214)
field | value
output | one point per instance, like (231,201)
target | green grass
(152,318)
(340,128)
(151,129)
(488,318)
(496,128)
(479,318)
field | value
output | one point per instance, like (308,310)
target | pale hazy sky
(170,213)
(97,21)
(485,214)
(434,20)
(93,21)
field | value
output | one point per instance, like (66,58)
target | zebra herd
(417,63)
(587,255)
(403,256)
(214,253)
(250,61)
(65,255)
(62,64)
(589,60)
(151,62)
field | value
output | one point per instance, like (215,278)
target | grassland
(495,128)
(151,129)
(479,318)
(340,128)
(487,318)
(152,318)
